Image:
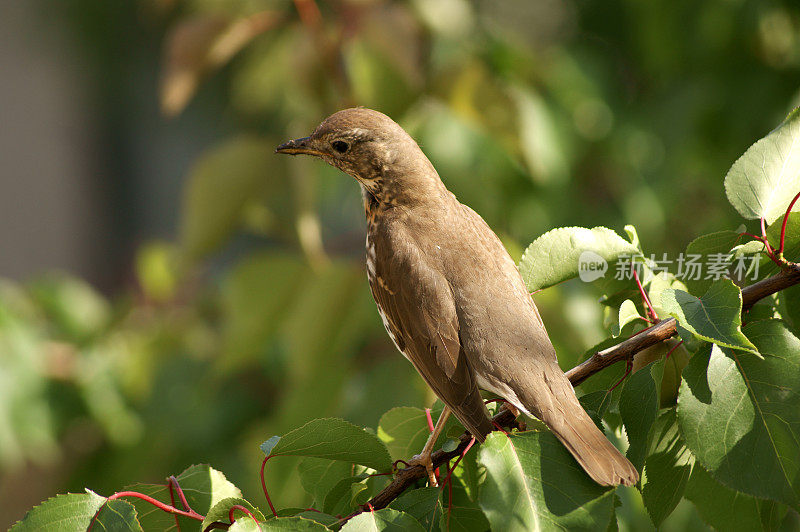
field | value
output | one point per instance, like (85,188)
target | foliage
(247,327)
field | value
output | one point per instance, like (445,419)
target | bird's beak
(296,147)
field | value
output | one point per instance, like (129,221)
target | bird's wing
(420,315)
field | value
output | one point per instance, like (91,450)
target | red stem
(158,504)
(754,237)
(430,419)
(174,481)
(650,310)
(764,238)
(458,460)
(264,485)
(241,509)
(172,500)
(628,369)
(676,346)
(783,225)
(431,428)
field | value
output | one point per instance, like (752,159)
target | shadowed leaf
(740,415)
(533,483)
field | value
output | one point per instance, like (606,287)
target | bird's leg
(424,458)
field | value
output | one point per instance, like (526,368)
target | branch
(664,329)
(659,332)
(405,477)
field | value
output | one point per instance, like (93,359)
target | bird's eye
(340,146)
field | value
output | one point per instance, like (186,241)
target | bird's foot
(425,461)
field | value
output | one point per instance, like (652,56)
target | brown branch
(659,332)
(405,477)
(664,329)
(656,334)
(771,285)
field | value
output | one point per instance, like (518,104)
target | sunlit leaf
(334,439)
(763,181)
(705,259)
(628,313)
(67,512)
(567,252)
(221,511)
(791,236)
(404,430)
(380,520)
(117,515)
(714,317)
(279,524)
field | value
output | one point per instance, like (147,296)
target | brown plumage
(449,294)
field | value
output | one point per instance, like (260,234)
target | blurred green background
(174,293)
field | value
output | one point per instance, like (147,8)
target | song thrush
(449,294)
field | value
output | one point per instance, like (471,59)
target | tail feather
(598,457)
(561,411)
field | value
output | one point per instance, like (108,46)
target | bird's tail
(598,457)
(575,429)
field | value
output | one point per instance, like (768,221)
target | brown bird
(449,294)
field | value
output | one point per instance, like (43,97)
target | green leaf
(334,439)
(221,510)
(463,512)
(218,188)
(628,313)
(319,475)
(721,507)
(276,524)
(386,519)
(66,512)
(740,415)
(245,524)
(791,241)
(117,515)
(203,487)
(638,406)
(596,404)
(715,317)
(763,181)
(704,253)
(404,430)
(566,252)
(339,500)
(533,483)
(666,469)
(421,504)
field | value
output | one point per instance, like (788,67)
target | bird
(450,296)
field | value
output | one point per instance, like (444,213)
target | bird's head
(361,142)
